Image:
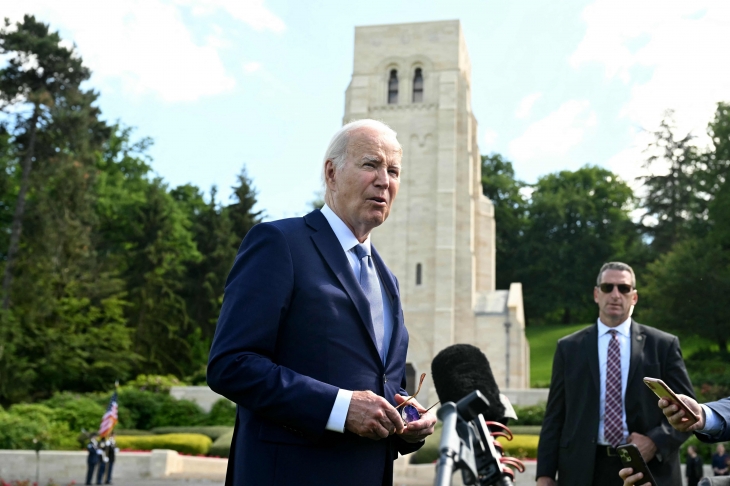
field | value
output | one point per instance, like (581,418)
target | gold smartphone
(661,390)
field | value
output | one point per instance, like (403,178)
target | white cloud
(680,44)
(525,106)
(490,136)
(555,134)
(252,12)
(252,67)
(145,45)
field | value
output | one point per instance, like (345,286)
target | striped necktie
(613,421)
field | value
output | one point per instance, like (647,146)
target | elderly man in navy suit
(310,342)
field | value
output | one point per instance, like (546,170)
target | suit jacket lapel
(389,282)
(638,339)
(590,346)
(329,247)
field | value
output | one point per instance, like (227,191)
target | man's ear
(330,173)
(595,295)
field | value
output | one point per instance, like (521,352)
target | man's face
(364,188)
(614,307)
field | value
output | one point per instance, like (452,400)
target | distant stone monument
(439,239)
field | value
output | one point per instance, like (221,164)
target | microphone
(459,370)
(473,413)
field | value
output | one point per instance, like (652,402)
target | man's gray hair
(337,149)
(616,266)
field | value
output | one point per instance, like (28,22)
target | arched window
(393,87)
(418,274)
(418,86)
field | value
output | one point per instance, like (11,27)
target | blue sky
(223,84)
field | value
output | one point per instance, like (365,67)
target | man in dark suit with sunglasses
(310,342)
(598,400)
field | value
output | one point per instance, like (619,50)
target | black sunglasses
(607,288)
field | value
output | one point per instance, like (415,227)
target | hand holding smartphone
(631,457)
(661,390)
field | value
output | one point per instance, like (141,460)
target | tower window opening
(418,86)
(418,274)
(393,87)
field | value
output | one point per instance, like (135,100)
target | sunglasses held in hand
(607,288)
(409,412)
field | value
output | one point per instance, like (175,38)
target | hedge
(222,446)
(185,443)
(214,432)
(521,446)
(134,432)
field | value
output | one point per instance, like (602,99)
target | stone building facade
(440,237)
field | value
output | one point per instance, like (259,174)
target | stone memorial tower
(439,239)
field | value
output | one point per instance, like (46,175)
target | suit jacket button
(385,379)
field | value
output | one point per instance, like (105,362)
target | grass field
(544,339)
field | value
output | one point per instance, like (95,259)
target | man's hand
(545,481)
(646,446)
(420,429)
(631,480)
(371,416)
(676,416)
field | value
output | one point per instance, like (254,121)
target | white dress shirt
(624,339)
(336,421)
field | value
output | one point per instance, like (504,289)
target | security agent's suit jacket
(295,327)
(570,429)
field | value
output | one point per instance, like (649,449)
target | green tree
(40,73)
(241,211)
(510,212)
(215,240)
(678,190)
(577,221)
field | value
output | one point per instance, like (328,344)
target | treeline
(554,235)
(107,271)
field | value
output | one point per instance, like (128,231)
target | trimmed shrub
(185,443)
(525,429)
(223,412)
(530,414)
(214,432)
(222,446)
(521,446)
(132,432)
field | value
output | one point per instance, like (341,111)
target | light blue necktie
(371,287)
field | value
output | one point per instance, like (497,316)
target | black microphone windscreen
(459,370)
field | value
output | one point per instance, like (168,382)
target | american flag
(110,418)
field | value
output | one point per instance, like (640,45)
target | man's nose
(382,179)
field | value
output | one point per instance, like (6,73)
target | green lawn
(544,339)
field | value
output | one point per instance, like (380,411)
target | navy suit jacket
(722,408)
(295,327)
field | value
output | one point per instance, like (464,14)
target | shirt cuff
(338,415)
(714,423)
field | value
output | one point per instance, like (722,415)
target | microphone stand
(468,445)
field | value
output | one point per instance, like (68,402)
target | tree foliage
(114,273)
